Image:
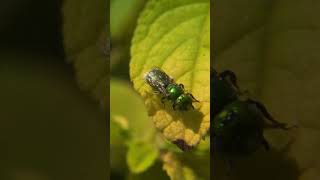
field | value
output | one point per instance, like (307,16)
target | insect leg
(192,97)
(174,106)
(181,86)
(162,100)
(231,75)
(264,111)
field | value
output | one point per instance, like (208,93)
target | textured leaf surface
(85,40)
(273,47)
(176,170)
(174,35)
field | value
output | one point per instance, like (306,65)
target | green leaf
(273,47)
(155,173)
(128,111)
(203,147)
(46,122)
(85,40)
(175,36)
(141,156)
(123,14)
(118,135)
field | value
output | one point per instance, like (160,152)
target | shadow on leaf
(262,165)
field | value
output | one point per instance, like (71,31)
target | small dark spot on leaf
(182,145)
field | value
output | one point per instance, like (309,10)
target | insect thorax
(174,91)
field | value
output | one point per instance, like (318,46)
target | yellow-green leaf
(154,173)
(141,156)
(134,127)
(123,15)
(175,36)
(175,169)
(85,39)
(128,111)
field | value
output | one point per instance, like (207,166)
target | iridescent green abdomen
(184,102)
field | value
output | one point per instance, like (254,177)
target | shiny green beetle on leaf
(170,90)
(238,124)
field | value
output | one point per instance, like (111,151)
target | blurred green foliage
(123,19)
(85,35)
(130,127)
(49,128)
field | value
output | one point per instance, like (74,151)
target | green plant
(184,53)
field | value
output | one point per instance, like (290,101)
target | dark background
(49,128)
(33,26)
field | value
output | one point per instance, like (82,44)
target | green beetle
(238,124)
(170,90)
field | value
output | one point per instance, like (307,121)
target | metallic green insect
(238,124)
(169,89)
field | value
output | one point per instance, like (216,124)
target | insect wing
(158,80)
